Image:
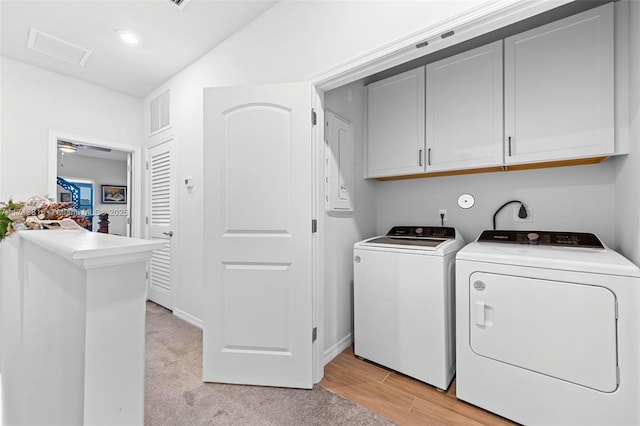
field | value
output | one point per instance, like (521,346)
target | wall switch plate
(528,219)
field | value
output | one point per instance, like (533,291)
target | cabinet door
(464,110)
(395,129)
(559,86)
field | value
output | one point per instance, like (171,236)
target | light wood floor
(399,398)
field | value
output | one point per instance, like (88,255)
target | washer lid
(579,259)
(435,239)
(407,241)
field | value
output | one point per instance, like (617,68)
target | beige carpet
(176,395)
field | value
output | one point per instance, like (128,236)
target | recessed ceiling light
(128,37)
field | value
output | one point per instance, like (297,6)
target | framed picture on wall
(114,194)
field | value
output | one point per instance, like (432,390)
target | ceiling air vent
(58,48)
(180,3)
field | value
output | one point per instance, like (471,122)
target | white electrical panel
(339,163)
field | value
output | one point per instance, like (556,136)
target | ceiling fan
(70,147)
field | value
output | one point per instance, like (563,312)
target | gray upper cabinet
(559,89)
(539,98)
(464,110)
(395,125)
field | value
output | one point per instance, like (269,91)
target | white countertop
(73,317)
(81,244)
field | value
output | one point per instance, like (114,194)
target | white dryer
(548,329)
(404,301)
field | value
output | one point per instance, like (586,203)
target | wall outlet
(442,212)
(528,219)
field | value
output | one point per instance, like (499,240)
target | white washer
(548,329)
(403,301)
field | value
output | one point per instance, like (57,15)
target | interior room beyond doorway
(97,180)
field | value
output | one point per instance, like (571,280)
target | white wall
(291,42)
(36,101)
(628,180)
(102,172)
(342,230)
(577,198)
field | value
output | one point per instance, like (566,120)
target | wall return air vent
(180,3)
(58,48)
(159,113)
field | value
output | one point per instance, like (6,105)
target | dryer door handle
(480,314)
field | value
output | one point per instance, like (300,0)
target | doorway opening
(100,178)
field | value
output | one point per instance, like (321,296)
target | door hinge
(617,375)
(314,226)
(326,133)
(147,165)
(146,220)
(616,304)
(147,274)
(314,334)
(314,117)
(128,221)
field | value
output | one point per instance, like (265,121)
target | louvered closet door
(160,221)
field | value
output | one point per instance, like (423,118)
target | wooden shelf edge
(560,163)
(447,173)
(512,167)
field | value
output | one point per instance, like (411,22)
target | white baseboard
(188,318)
(336,349)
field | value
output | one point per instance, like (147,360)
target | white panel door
(258,243)
(563,330)
(160,222)
(395,125)
(559,86)
(464,110)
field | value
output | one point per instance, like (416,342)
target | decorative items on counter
(39,213)
(104,223)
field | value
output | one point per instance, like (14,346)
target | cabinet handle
(509,146)
(420,158)
(429,156)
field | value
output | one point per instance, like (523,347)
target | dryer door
(562,330)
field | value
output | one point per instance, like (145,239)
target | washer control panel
(422,232)
(547,238)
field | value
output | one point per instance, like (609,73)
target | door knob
(170,233)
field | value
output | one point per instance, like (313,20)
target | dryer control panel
(547,238)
